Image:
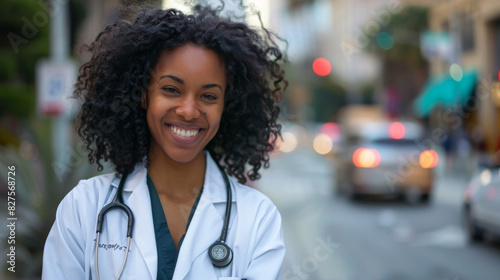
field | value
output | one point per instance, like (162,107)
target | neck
(175,179)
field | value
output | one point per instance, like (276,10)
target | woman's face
(185,101)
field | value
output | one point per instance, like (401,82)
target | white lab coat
(254,233)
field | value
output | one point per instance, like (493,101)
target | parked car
(386,158)
(481,203)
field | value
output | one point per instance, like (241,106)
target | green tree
(404,68)
(25,41)
(24,25)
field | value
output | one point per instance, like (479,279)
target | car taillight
(428,159)
(366,158)
(397,130)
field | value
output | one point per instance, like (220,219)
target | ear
(144,100)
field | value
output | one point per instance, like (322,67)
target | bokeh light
(288,142)
(499,75)
(322,144)
(397,130)
(321,66)
(456,72)
(485,177)
(385,40)
(331,129)
(366,158)
(428,159)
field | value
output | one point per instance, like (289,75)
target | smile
(184,133)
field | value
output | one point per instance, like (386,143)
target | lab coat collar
(205,227)
(214,182)
(134,180)
(217,194)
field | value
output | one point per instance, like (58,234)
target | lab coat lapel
(140,203)
(206,224)
(199,236)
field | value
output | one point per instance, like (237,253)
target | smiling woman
(177,103)
(184,102)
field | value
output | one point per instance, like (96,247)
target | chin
(182,157)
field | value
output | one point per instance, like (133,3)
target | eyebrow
(177,79)
(211,86)
(181,81)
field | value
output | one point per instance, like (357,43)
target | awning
(445,92)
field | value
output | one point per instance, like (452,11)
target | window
(496,44)
(467,25)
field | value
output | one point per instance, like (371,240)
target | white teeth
(184,133)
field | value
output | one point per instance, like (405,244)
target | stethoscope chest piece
(220,254)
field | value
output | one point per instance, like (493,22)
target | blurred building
(468,52)
(331,29)
(346,33)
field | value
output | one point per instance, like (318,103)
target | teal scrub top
(165,247)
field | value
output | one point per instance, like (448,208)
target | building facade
(474,28)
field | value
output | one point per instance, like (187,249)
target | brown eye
(170,90)
(210,97)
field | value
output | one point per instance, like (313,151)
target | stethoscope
(219,252)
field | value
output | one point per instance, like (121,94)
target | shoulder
(77,212)
(96,191)
(252,200)
(92,187)
(87,195)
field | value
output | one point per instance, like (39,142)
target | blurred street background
(388,165)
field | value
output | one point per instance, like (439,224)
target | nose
(188,108)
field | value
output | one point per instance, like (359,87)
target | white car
(387,158)
(481,204)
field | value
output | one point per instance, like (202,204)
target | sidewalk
(451,182)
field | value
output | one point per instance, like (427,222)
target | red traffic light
(322,66)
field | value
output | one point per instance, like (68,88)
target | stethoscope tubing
(97,257)
(228,205)
(117,203)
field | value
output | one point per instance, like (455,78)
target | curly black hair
(112,122)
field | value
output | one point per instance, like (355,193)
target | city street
(330,237)
(399,98)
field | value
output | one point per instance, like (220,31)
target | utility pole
(59,53)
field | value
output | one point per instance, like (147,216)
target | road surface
(330,237)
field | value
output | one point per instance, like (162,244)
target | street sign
(54,86)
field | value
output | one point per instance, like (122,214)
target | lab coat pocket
(111,256)
(231,278)
(112,249)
